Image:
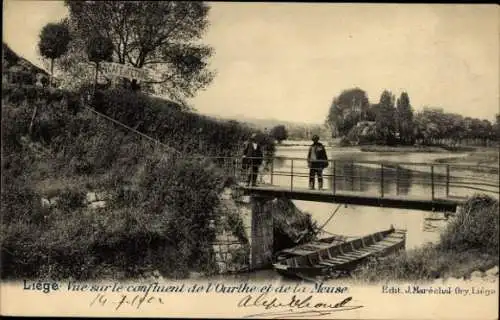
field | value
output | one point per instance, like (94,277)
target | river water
(361,220)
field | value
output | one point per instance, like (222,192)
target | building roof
(12,61)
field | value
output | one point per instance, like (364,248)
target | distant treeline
(393,121)
(305,132)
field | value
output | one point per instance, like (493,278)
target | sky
(287,61)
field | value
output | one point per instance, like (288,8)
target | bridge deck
(419,186)
(356,198)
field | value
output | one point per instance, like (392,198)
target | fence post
(381,180)
(447,180)
(352,175)
(432,181)
(291,176)
(334,177)
(233,162)
(397,179)
(360,177)
(272,170)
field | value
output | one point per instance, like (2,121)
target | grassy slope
(162,203)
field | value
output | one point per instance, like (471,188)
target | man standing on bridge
(317,160)
(252,159)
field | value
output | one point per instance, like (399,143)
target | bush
(344,142)
(424,264)
(168,212)
(279,133)
(15,125)
(291,226)
(469,243)
(166,229)
(475,227)
(71,199)
(363,133)
(20,203)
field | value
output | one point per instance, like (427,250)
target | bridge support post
(447,180)
(334,178)
(381,180)
(432,182)
(397,180)
(272,171)
(262,239)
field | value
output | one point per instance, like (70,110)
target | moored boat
(337,253)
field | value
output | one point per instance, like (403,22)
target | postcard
(251,160)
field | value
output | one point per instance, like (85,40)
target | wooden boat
(337,253)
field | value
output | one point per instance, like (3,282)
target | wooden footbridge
(419,186)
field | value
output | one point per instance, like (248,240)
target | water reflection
(355,177)
(347,174)
(377,179)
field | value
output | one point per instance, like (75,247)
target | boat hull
(317,259)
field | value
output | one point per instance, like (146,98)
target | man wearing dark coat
(317,160)
(252,159)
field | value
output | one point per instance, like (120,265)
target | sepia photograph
(250,159)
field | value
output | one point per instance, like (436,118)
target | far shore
(474,155)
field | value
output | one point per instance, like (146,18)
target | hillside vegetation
(161,201)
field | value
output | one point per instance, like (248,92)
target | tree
(430,123)
(99,49)
(486,131)
(159,35)
(279,133)
(347,110)
(385,118)
(434,126)
(481,131)
(456,131)
(371,112)
(54,41)
(404,115)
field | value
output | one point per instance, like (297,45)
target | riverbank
(489,157)
(475,156)
(435,149)
(468,244)
(470,156)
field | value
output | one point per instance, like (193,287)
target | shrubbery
(162,200)
(475,227)
(164,224)
(168,122)
(84,143)
(469,243)
(344,142)
(363,133)
(424,264)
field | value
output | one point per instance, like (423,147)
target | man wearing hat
(317,160)
(252,159)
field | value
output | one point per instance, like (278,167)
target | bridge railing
(381,179)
